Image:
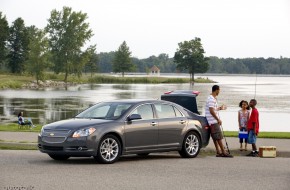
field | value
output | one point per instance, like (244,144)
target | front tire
(109,150)
(191,145)
(58,157)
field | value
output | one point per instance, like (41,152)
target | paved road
(34,170)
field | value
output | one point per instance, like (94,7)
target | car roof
(135,101)
(131,100)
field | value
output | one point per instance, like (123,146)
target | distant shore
(52,80)
(186,75)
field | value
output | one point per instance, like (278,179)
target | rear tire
(191,145)
(58,157)
(109,150)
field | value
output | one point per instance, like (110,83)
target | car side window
(177,112)
(145,111)
(120,109)
(164,111)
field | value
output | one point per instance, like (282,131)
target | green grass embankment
(13,81)
(17,146)
(13,127)
(107,79)
(9,81)
(274,135)
(101,79)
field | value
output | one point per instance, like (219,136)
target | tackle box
(267,151)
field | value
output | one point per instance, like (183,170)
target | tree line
(250,65)
(60,47)
(215,65)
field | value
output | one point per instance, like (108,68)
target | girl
(22,121)
(243,117)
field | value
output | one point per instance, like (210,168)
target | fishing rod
(228,149)
(224,107)
(255,86)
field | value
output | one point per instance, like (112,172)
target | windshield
(108,110)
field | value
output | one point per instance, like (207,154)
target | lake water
(53,104)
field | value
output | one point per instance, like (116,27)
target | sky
(227,28)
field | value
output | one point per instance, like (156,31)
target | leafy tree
(91,59)
(106,61)
(215,65)
(190,56)
(38,56)
(162,61)
(140,65)
(68,31)
(4,34)
(17,46)
(284,65)
(122,60)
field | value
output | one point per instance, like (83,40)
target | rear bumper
(205,137)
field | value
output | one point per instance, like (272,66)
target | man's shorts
(216,132)
(252,138)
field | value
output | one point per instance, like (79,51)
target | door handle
(153,123)
(182,122)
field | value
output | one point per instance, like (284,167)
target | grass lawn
(274,135)
(17,146)
(13,127)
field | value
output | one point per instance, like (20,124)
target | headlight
(83,132)
(41,131)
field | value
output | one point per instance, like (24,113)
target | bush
(11,84)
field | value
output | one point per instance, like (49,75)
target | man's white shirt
(211,103)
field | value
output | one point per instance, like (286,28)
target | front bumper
(75,147)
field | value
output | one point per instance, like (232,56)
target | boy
(253,128)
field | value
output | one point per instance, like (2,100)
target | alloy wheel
(109,149)
(192,144)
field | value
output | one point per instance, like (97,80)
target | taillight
(169,92)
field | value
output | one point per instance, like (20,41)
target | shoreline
(26,82)
(47,84)
(9,81)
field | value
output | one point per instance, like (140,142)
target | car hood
(76,123)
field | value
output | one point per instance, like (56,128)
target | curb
(207,151)
(237,152)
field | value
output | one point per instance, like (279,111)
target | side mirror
(134,117)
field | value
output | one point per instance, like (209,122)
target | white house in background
(155,71)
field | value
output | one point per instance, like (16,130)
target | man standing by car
(211,114)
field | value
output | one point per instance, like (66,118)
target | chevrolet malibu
(108,130)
